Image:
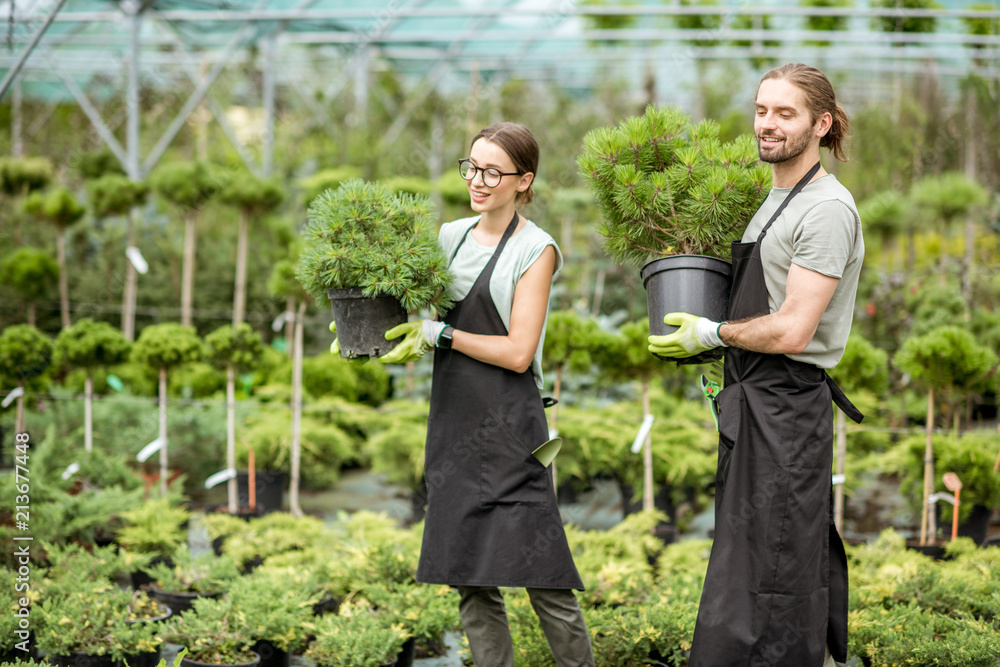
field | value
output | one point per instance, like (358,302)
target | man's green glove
(420,336)
(695,335)
(335,345)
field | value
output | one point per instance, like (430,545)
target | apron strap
(795,190)
(841,400)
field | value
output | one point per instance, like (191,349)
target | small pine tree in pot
(368,247)
(671,192)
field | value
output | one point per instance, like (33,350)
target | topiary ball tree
(25,354)
(236,349)
(253,197)
(31,272)
(88,345)
(189,186)
(162,347)
(947,361)
(60,208)
(364,235)
(665,186)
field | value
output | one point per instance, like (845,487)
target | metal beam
(37,37)
(93,114)
(197,95)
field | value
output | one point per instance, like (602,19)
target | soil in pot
(695,284)
(362,322)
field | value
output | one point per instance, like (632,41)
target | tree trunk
(970,225)
(20,425)
(293,491)
(290,326)
(31,313)
(187,278)
(163,432)
(63,282)
(231,487)
(927,519)
(88,413)
(595,309)
(240,292)
(648,492)
(131,283)
(838,496)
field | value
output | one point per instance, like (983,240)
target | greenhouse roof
(93,51)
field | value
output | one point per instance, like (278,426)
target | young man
(776,588)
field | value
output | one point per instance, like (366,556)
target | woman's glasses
(491,176)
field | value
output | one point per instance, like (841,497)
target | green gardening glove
(419,337)
(335,345)
(695,335)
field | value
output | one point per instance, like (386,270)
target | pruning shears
(711,389)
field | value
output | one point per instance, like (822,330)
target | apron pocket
(509,472)
(730,403)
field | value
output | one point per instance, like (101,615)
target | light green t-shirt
(819,230)
(521,251)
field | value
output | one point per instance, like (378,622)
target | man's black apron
(492,517)
(776,588)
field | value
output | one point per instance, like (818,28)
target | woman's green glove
(695,335)
(335,345)
(420,336)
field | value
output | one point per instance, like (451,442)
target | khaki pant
(485,622)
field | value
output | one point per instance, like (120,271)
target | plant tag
(148,450)
(15,394)
(71,470)
(640,437)
(138,261)
(839,479)
(219,477)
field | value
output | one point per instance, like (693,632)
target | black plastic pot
(695,284)
(145,659)
(269,491)
(187,662)
(271,655)
(405,657)
(179,601)
(80,659)
(140,579)
(362,322)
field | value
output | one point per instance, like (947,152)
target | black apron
(776,588)
(492,517)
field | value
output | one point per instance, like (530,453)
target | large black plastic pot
(271,655)
(695,284)
(269,490)
(362,322)
(187,662)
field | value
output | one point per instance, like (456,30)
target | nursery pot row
(695,284)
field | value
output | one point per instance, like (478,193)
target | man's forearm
(769,334)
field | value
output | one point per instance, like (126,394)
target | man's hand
(695,335)
(419,337)
(335,345)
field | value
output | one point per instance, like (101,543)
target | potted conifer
(673,196)
(374,254)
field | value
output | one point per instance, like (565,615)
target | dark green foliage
(885,214)
(25,352)
(97,164)
(188,184)
(57,206)
(665,186)
(19,175)
(115,194)
(166,345)
(573,342)
(825,23)
(975,25)
(947,358)
(905,22)
(355,638)
(628,356)
(948,197)
(933,307)
(863,366)
(607,21)
(239,347)
(252,194)
(283,283)
(87,344)
(30,271)
(327,179)
(364,235)
(157,527)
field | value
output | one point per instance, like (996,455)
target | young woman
(492,518)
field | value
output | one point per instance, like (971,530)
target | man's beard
(789,149)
